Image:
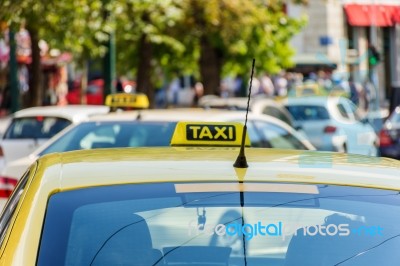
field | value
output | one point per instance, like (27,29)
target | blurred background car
(150,128)
(4,123)
(307,89)
(95,91)
(333,124)
(389,136)
(258,105)
(338,90)
(31,127)
(377,118)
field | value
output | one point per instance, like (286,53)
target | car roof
(186,114)
(234,102)
(315,100)
(174,114)
(63,171)
(74,113)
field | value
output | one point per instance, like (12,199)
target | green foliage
(74,25)
(156,19)
(243,30)
(240,30)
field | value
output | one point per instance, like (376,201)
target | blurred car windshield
(308,112)
(276,136)
(92,135)
(38,127)
(113,134)
(137,223)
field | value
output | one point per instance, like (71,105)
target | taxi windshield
(308,112)
(263,224)
(113,134)
(39,127)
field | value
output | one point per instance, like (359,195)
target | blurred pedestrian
(255,86)
(324,80)
(354,94)
(267,86)
(370,93)
(120,87)
(281,84)
(239,84)
(173,91)
(227,87)
(198,92)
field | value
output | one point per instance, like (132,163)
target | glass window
(100,137)
(268,224)
(342,111)
(308,112)
(255,138)
(39,127)
(278,137)
(92,135)
(10,207)
(275,112)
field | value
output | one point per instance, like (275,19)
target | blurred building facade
(341,34)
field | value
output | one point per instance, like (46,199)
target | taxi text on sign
(208,134)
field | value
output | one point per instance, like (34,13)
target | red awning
(372,15)
(396,16)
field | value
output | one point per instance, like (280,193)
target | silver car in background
(258,105)
(333,124)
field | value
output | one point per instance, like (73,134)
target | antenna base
(241,162)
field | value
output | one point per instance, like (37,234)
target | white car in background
(4,122)
(154,128)
(258,105)
(333,124)
(28,128)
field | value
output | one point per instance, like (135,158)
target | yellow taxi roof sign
(226,134)
(127,100)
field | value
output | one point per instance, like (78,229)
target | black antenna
(241,161)
(139,115)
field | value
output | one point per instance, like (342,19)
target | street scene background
(178,52)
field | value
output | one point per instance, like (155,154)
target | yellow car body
(75,170)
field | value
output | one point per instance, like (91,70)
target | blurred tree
(73,25)
(230,33)
(145,39)
(207,38)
